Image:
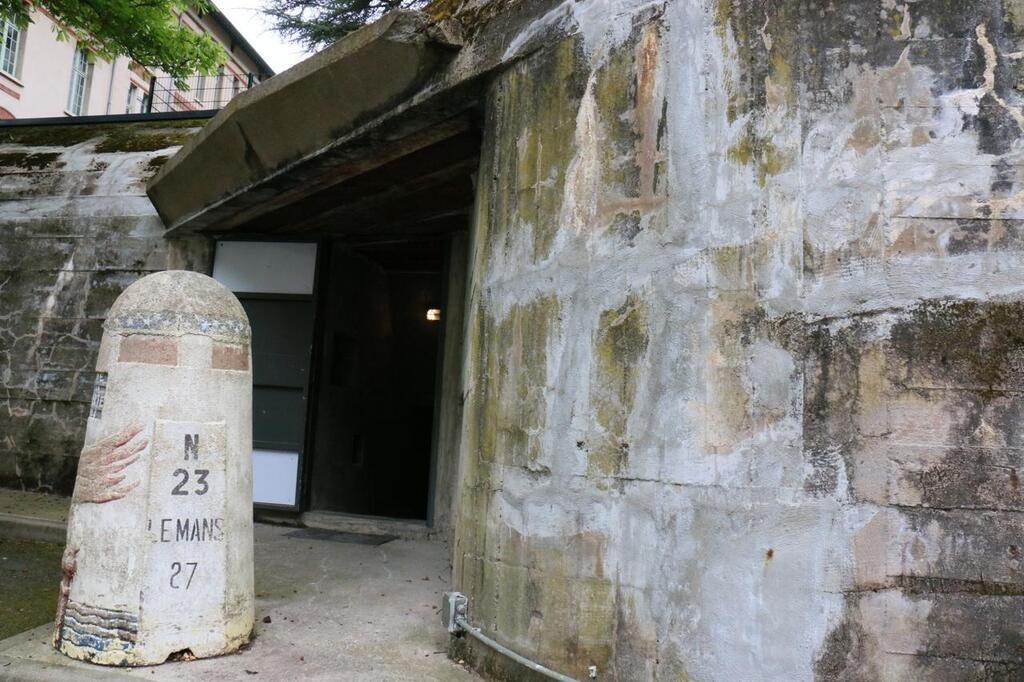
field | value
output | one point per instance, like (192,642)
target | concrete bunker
(348,251)
(702,436)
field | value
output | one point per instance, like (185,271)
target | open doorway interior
(380,338)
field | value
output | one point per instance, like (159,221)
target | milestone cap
(179,302)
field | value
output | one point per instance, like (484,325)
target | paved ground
(336,611)
(29,575)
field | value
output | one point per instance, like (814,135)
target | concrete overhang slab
(246,155)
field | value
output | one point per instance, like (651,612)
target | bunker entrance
(355,356)
(378,378)
(355,288)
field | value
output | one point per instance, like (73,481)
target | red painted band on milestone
(149,349)
(230,356)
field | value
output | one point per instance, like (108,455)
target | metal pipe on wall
(454,612)
(508,653)
(110,87)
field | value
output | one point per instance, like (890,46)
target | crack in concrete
(989,86)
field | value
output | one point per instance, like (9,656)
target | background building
(41,76)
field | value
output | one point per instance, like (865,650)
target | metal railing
(200,93)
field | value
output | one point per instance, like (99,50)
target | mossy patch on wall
(615,92)
(619,347)
(121,134)
(471,14)
(26,161)
(961,343)
(830,409)
(760,153)
(128,140)
(766,40)
(517,385)
(538,101)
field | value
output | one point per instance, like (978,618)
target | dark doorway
(374,417)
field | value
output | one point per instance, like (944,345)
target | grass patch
(29,580)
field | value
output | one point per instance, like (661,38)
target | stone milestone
(159,548)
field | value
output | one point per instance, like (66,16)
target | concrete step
(36,516)
(33,516)
(18,527)
(367,525)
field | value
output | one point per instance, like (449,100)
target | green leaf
(316,24)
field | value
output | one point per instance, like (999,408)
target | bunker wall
(76,228)
(744,356)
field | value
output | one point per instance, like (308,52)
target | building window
(200,93)
(79,82)
(135,100)
(9,48)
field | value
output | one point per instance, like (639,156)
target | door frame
(311,375)
(303,444)
(447,402)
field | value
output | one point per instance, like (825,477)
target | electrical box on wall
(453,610)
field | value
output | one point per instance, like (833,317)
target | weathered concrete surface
(75,230)
(449,413)
(743,357)
(159,555)
(326,610)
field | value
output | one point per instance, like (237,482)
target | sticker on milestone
(99,392)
